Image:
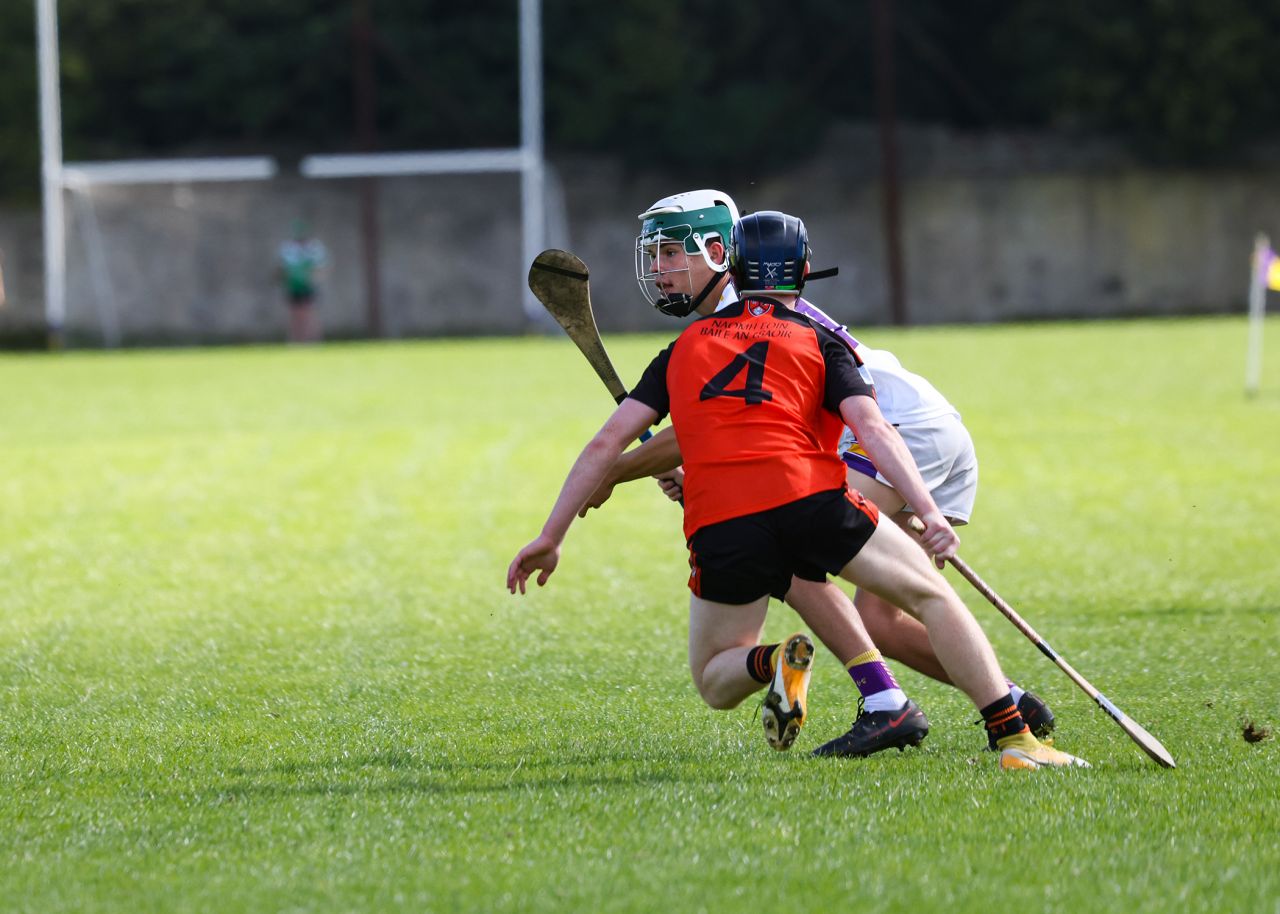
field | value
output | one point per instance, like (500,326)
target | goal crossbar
(392,164)
(160,171)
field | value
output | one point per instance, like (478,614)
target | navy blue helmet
(768,253)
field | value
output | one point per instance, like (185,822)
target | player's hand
(543,554)
(598,497)
(939,538)
(672,483)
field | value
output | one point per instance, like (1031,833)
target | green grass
(256,653)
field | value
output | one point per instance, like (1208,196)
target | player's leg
(721,636)
(892,566)
(822,531)
(312,330)
(827,610)
(944,454)
(728,664)
(736,566)
(298,321)
(903,638)
(897,634)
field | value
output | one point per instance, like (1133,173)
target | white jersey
(904,397)
(930,426)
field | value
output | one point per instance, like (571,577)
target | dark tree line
(1182,82)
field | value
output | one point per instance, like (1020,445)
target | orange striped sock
(1002,718)
(760,661)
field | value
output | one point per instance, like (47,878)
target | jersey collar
(728,296)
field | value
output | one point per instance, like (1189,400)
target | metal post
(532,175)
(882,11)
(55,240)
(367,138)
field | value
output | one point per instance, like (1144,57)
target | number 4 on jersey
(753,361)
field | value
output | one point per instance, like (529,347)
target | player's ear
(717,250)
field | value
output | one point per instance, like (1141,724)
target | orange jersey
(754,392)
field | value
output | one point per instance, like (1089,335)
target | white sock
(1016,691)
(888,700)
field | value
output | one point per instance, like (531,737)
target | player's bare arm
(889,452)
(543,553)
(660,454)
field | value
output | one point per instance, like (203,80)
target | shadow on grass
(367,775)
(1187,611)
(396,760)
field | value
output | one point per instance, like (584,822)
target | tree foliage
(732,86)
(1185,81)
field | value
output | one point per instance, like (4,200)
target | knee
(721,702)
(715,699)
(941,604)
(880,617)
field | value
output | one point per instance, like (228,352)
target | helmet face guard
(769,253)
(673,230)
(662,253)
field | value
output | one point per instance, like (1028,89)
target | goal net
(189,251)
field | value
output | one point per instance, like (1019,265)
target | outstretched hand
(543,554)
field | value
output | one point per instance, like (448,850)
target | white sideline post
(55,241)
(1257,308)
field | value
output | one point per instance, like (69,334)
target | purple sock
(872,676)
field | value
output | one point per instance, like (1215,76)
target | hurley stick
(562,283)
(1148,743)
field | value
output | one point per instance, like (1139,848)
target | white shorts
(944,455)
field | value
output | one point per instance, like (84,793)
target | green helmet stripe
(688,227)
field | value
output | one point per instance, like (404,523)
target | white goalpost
(74,182)
(55,242)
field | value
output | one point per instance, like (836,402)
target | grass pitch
(256,653)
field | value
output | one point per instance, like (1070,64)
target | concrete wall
(22,262)
(994,228)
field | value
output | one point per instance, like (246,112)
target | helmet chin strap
(681,305)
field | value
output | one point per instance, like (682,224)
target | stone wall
(995,228)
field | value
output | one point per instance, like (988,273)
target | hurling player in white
(929,425)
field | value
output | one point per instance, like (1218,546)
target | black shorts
(744,558)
